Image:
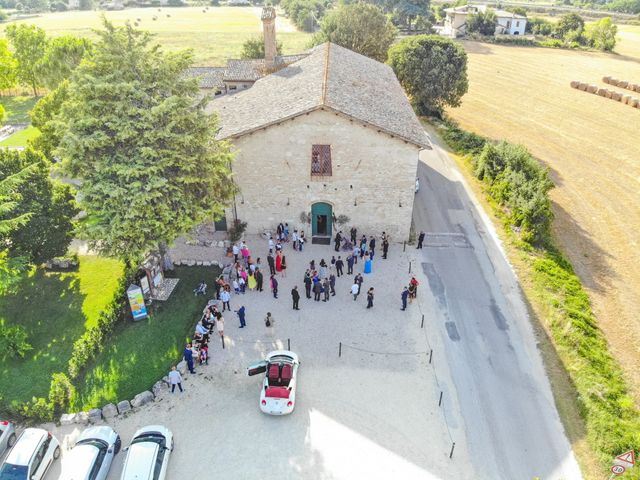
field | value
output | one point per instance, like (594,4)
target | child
(236,286)
(204,355)
(242,284)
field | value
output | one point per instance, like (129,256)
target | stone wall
(373,180)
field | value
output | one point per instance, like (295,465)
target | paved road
(512,426)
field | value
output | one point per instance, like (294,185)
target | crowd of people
(320,282)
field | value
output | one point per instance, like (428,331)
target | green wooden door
(321,219)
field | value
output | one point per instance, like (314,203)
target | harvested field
(522,94)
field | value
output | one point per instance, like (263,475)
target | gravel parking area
(361,415)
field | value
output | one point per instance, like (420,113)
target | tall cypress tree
(140,142)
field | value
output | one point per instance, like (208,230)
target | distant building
(508,23)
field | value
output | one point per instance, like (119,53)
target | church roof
(330,77)
(239,70)
(209,77)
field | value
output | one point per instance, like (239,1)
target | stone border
(123,407)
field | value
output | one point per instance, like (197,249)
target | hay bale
(574,84)
(613,81)
(609,94)
(625,98)
(623,84)
(602,92)
(616,96)
(592,88)
(583,86)
(634,102)
(606,79)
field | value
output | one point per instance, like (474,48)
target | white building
(508,23)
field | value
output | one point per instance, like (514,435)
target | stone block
(124,406)
(109,410)
(199,263)
(68,418)
(82,418)
(182,367)
(142,399)
(159,387)
(166,380)
(221,244)
(190,263)
(95,415)
(206,263)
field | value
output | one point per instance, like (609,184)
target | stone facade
(372,182)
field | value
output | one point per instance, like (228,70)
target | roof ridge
(325,77)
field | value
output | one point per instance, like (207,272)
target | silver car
(7,436)
(91,457)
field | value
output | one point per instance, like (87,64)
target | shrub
(61,392)
(462,141)
(13,341)
(236,230)
(37,409)
(551,43)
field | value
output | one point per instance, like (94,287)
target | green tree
(49,204)
(29,43)
(254,48)
(87,4)
(360,27)
(569,23)
(602,34)
(540,26)
(483,23)
(45,116)
(37,5)
(407,12)
(62,56)
(432,70)
(139,140)
(518,11)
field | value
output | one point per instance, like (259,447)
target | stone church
(330,134)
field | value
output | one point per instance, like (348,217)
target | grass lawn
(55,309)
(19,139)
(214,34)
(17,108)
(140,353)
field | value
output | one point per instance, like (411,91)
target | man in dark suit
(295,296)
(259,280)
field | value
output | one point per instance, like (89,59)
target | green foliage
(602,34)
(254,48)
(570,24)
(552,43)
(360,27)
(624,6)
(49,204)
(38,409)
(462,141)
(46,117)
(3,15)
(139,140)
(12,270)
(8,66)
(87,4)
(29,43)
(612,420)
(305,14)
(63,54)
(37,5)
(518,10)
(540,26)
(432,70)
(13,341)
(409,13)
(61,392)
(236,230)
(483,23)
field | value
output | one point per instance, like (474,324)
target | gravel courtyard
(361,415)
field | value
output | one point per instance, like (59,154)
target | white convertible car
(278,394)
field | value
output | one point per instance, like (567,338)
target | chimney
(269,33)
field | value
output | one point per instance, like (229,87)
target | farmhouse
(329,135)
(507,23)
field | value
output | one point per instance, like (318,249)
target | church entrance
(321,219)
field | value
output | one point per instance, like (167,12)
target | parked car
(278,393)
(148,454)
(7,436)
(417,184)
(31,456)
(91,457)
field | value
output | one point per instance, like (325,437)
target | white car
(278,393)
(7,436)
(417,184)
(31,456)
(91,457)
(148,454)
